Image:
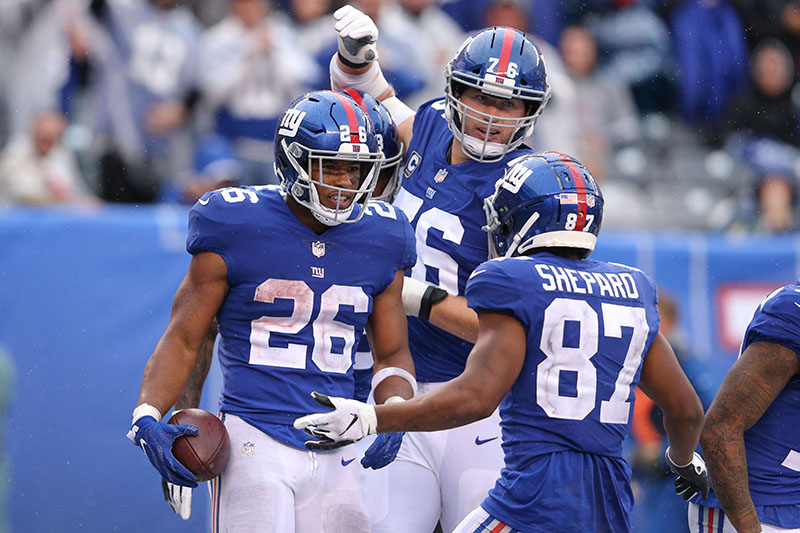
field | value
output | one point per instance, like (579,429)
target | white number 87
(560,358)
(572,221)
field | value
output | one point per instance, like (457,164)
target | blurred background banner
(86,295)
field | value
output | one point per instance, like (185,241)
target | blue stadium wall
(86,294)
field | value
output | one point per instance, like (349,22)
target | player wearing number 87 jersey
(294,277)
(562,342)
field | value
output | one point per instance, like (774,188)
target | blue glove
(383,450)
(156,439)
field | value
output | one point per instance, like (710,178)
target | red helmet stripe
(351,117)
(357,97)
(580,188)
(505,51)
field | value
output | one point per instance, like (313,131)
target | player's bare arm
(665,383)
(388,335)
(491,369)
(454,316)
(193,391)
(754,381)
(196,302)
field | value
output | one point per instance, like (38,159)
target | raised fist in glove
(156,439)
(350,421)
(692,478)
(358,36)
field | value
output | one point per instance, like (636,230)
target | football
(206,453)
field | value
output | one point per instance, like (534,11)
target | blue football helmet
(544,199)
(388,182)
(322,126)
(500,62)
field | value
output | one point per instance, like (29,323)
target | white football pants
(438,475)
(269,487)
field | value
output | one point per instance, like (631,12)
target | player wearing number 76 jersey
(293,276)
(562,342)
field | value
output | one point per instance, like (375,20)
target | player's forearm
(451,405)
(724,452)
(683,433)
(453,316)
(166,374)
(193,391)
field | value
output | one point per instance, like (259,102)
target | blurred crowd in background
(685,110)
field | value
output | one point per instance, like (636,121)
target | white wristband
(398,109)
(146,409)
(394,399)
(389,371)
(371,81)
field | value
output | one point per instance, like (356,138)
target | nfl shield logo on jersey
(248,448)
(440,176)
(318,248)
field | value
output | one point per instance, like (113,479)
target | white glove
(419,297)
(350,421)
(179,498)
(358,36)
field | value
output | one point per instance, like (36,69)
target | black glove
(692,478)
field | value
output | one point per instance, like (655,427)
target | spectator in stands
(36,168)
(608,117)
(49,66)
(312,26)
(766,109)
(634,45)
(250,69)
(761,128)
(709,44)
(143,52)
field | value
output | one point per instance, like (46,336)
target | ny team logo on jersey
(291,122)
(318,248)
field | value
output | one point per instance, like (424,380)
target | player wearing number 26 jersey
(284,279)
(751,438)
(294,277)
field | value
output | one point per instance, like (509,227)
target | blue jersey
(773,442)
(298,301)
(589,325)
(445,206)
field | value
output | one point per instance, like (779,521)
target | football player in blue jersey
(563,341)
(456,147)
(751,439)
(293,276)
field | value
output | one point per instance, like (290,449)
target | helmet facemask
(305,192)
(456,110)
